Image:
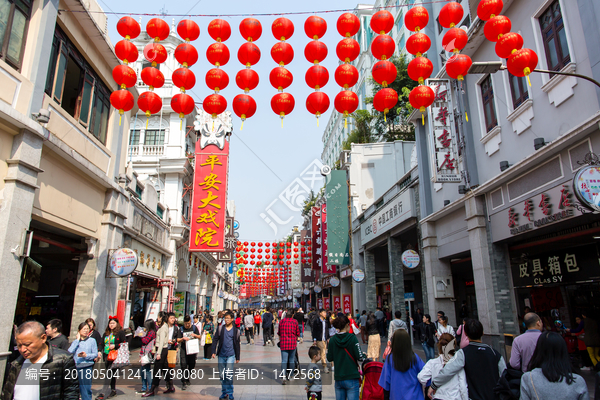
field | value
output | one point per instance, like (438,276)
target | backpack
(370,389)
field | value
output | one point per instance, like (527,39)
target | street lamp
(491,67)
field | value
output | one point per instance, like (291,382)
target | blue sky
(265,159)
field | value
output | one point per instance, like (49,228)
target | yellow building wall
(6,141)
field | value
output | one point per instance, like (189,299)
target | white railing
(133,150)
(148,150)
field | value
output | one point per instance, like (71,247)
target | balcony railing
(146,150)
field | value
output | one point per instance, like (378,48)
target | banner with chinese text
(338,239)
(336,303)
(326,303)
(347,303)
(316,238)
(324,238)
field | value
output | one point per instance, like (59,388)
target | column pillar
(370,281)
(84,293)
(396,274)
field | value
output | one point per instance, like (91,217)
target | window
(138,191)
(154,137)
(440,27)
(518,89)
(134,137)
(489,109)
(73,84)
(159,211)
(467,21)
(14,20)
(555,39)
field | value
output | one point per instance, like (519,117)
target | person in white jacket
(444,327)
(456,388)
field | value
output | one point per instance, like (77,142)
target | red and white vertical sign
(209,199)
(347,303)
(243,291)
(327,303)
(316,238)
(319,303)
(324,238)
(336,303)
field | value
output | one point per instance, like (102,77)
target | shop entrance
(464,288)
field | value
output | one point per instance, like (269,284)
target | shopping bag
(147,357)
(122,359)
(112,355)
(208,338)
(172,358)
(203,339)
(192,346)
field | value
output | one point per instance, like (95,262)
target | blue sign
(231,268)
(236,225)
(409,296)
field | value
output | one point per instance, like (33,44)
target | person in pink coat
(464,339)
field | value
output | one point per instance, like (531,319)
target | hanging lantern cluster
(384,71)
(124,75)
(454,41)
(306,251)
(183,78)
(520,61)
(420,68)
(216,79)
(346,75)
(317,76)
(281,78)
(244,105)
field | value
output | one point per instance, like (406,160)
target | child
(314,386)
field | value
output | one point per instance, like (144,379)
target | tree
(395,125)
(362,132)
(309,203)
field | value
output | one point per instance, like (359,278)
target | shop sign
(443,140)
(308,274)
(338,240)
(179,305)
(306,292)
(123,262)
(324,247)
(209,198)
(345,273)
(396,211)
(327,303)
(586,185)
(411,259)
(337,302)
(358,275)
(334,281)
(329,269)
(230,242)
(318,289)
(409,296)
(327,281)
(320,303)
(557,267)
(387,288)
(347,303)
(316,238)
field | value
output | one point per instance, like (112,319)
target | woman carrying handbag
(147,354)
(113,338)
(207,333)
(164,341)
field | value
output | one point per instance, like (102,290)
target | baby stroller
(370,389)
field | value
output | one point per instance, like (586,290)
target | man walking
(249,327)
(320,334)
(226,345)
(54,334)
(288,339)
(299,317)
(188,361)
(380,317)
(524,344)
(267,323)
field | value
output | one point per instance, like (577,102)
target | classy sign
(209,199)
(443,140)
(358,275)
(586,185)
(411,259)
(334,281)
(396,211)
(123,262)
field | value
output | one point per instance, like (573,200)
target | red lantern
(496,27)
(126,51)
(282,104)
(489,9)
(348,24)
(184,79)
(315,27)
(122,100)
(248,54)
(247,79)
(384,100)
(416,18)
(244,107)
(150,103)
(458,66)
(214,104)
(128,28)
(317,76)
(417,44)
(455,40)
(282,53)
(383,47)
(155,53)
(219,30)
(251,29)
(522,63)
(317,103)
(346,102)
(315,51)
(217,54)
(158,29)
(186,54)
(124,75)
(280,78)
(420,69)
(420,98)
(282,28)
(451,14)
(384,72)
(217,79)
(188,30)
(153,77)
(347,50)
(508,44)
(346,75)
(382,22)
(182,104)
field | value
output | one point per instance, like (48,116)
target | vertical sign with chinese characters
(326,303)
(443,138)
(316,238)
(320,303)
(336,303)
(209,199)
(325,268)
(230,242)
(338,239)
(347,303)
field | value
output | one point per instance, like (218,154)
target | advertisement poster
(336,303)
(179,306)
(347,300)
(320,303)
(316,238)
(327,303)
(338,239)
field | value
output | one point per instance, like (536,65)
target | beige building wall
(6,141)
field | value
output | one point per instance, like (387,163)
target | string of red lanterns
(281,78)
(317,76)
(454,41)
(383,48)
(218,55)
(244,106)
(124,75)
(346,75)
(187,55)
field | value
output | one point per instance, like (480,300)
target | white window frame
(480,110)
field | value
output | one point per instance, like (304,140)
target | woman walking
(288,341)
(207,332)
(257,321)
(456,388)
(85,351)
(399,374)
(147,354)
(113,338)
(426,333)
(344,351)
(550,375)
(464,339)
(164,339)
(374,339)
(94,334)
(443,327)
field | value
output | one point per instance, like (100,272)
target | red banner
(319,303)
(316,238)
(243,291)
(329,269)
(326,303)
(209,199)
(347,300)
(324,238)
(336,303)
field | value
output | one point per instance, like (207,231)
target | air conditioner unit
(345,159)
(443,287)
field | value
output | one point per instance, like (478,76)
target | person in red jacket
(257,321)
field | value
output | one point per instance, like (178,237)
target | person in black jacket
(226,345)
(426,334)
(320,334)
(267,323)
(94,334)
(113,338)
(56,382)
(55,336)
